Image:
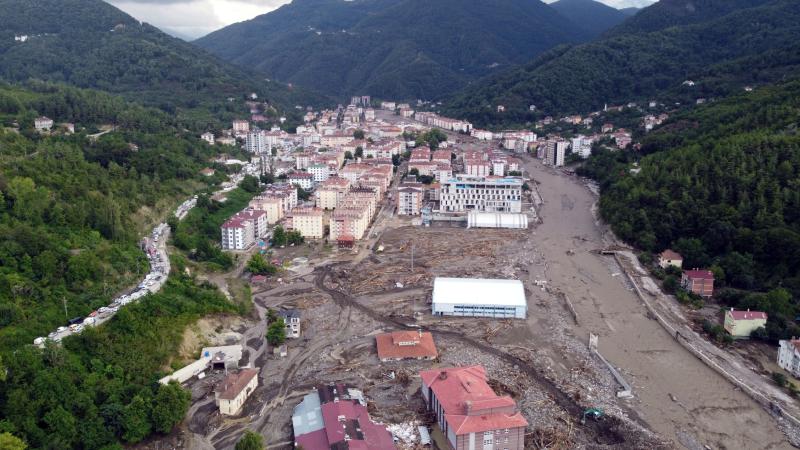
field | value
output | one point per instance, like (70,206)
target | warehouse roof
(478,291)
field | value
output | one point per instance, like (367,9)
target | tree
(414,172)
(359,152)
(136,421)
(348,155)
(276,333)
(670,284)
(267,178)
(279,236)
(170,406)
(250,184)
(10,442)
(258,265)
(295,237)
(358,134)
(250,441)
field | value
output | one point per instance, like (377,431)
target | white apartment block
(409,199)
(477,167)
(789,356)
(208,137)
(303,179)
(556,152)
(256,142)
(319,172)
(241,231)
(582,145)
(492,194)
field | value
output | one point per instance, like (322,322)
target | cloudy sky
(191,19)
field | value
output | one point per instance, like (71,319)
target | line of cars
(155,248)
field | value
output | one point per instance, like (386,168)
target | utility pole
(64,300)
(412,256)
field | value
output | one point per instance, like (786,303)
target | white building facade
(476,297)
(492,194)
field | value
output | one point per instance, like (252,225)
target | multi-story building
(256,142)
(208,137)
(319,172)
(477,167)
(469,413)
(241,231)
(789,356)
(582,145)
(274,207)
(43,123)
(234,390)
(308,221)
(464,193)
(330,192)
(335,417)
(349,223)
(303,179)
(241,128)
(556,153)
(410,198)
(291,318)
(740,324)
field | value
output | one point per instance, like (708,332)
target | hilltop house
(670,258)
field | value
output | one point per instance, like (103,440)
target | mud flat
(674,393)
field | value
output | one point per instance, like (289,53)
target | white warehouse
(478,297)
(477,219)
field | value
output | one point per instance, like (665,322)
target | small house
(670,258)
(43,123)
(789,356)
(405,345)
(291,318)
(234,390)
(740,324)
(700,282)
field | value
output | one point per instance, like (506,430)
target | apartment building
(492,194)
(330,192)
(241,231)
(308,221)
(319,172)
(410,198)
(477,167)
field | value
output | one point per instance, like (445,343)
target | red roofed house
(405,345)
(234,390)
(468,411)
(700,282)
(335,417)
(670,258)
(740,324)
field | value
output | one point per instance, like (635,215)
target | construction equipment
(592,413)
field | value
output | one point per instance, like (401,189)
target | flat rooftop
(478,291)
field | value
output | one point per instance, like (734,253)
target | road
(675,393)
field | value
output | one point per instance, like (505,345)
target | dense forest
(72,208)
(400,49)
(721,54)
(91,44)
(720,185)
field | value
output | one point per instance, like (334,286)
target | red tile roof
(463,394)
(671,255)
(699,274)
(350,418)
(747,315)
(406,344)
(234,383)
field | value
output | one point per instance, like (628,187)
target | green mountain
(590,15)
(669,13)
(91,44)
(720,185)
(392,48)
(747,46)
(630,11)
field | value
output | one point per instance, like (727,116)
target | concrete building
(241,231)
(256,142)
(303,179)
(477,297)
(291,318)
(700,282)
(670,258)
(330,192)
(401,345)
(319,172)
(477,167)
(491,194)
(556,154)
(43,123)
(582,146)
(335,417)
(234,390)
(272,205)
(789,356)
(348,224)
(241,128)
(208,137)
(740,324)
(469,413)
(477,219)
(409,199)
(308,221)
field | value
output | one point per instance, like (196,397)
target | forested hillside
(592,16)
(402,49)
(720,185)
(721,56)
(91,44)
(72,210)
